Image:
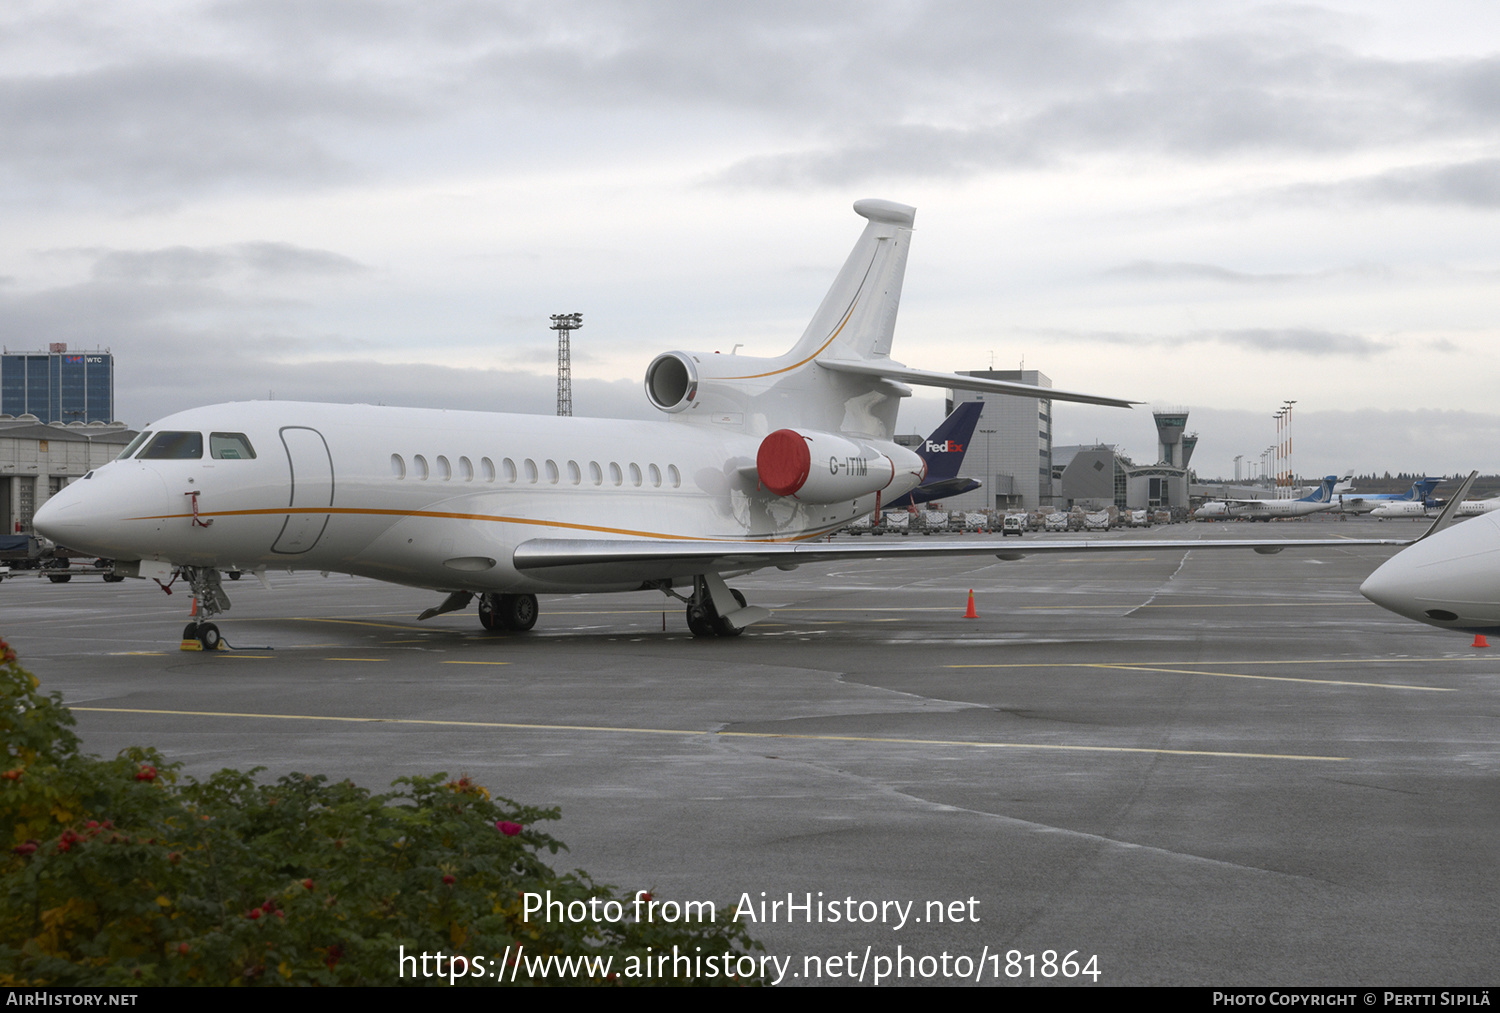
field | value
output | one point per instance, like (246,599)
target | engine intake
(672,381)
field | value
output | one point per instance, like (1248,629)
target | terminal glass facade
(58,386)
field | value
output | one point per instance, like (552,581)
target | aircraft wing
(621,560)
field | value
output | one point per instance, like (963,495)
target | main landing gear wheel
(514,612)
(704,621)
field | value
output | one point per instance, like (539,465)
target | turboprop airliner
(1368,502)
(752,463)
(1268,509)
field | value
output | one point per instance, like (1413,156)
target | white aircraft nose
(1451,580)
(104,513)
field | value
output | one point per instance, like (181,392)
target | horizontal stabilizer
(957,381)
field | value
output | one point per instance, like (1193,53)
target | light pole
(1286,409)
(565,324)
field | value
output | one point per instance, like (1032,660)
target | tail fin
(857,318)
(1324,493)
(944,449)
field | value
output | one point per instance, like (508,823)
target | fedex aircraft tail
(838,378)
(942,455)
(944,449)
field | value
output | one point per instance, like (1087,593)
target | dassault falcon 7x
(1448,577)
(755,460)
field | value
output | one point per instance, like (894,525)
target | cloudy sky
(1214,205)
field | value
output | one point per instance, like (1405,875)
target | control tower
(1171,424)
(1188,443)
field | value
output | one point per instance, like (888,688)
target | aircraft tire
(517,612)
(208,636)
(234,574)
(701,621)
(59,578)
(113,578)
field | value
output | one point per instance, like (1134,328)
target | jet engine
(825,468)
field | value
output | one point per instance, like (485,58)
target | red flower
(307,883)
(146,773)
(508,828)
(449,880)
(11,775)
(253,914)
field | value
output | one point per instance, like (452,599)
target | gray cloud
(1303,340)
(1300,340)
(182,264)
(1472,184)
(283,93)
(1151,270)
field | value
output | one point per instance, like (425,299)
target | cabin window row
(530,473)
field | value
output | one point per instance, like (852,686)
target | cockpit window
(174,447)
(135,445)
(230,447)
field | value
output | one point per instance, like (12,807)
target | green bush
(123,872)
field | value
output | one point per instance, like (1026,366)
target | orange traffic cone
(971,614)
(1479,640)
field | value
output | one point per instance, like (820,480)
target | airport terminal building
(1011,450)
(58,385)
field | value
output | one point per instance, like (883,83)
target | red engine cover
(783,462)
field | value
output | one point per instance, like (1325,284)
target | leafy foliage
(123,872)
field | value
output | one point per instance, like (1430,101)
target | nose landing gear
(200,634)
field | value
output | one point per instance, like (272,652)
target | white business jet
(754,461)
(1450,577)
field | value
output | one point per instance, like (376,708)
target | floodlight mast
(565,324)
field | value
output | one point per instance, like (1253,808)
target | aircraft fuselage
(432,498)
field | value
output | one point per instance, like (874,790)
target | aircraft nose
(94,514)
(1451,580)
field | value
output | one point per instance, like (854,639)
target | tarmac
(1197,768)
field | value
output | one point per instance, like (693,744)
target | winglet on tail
(857,318)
